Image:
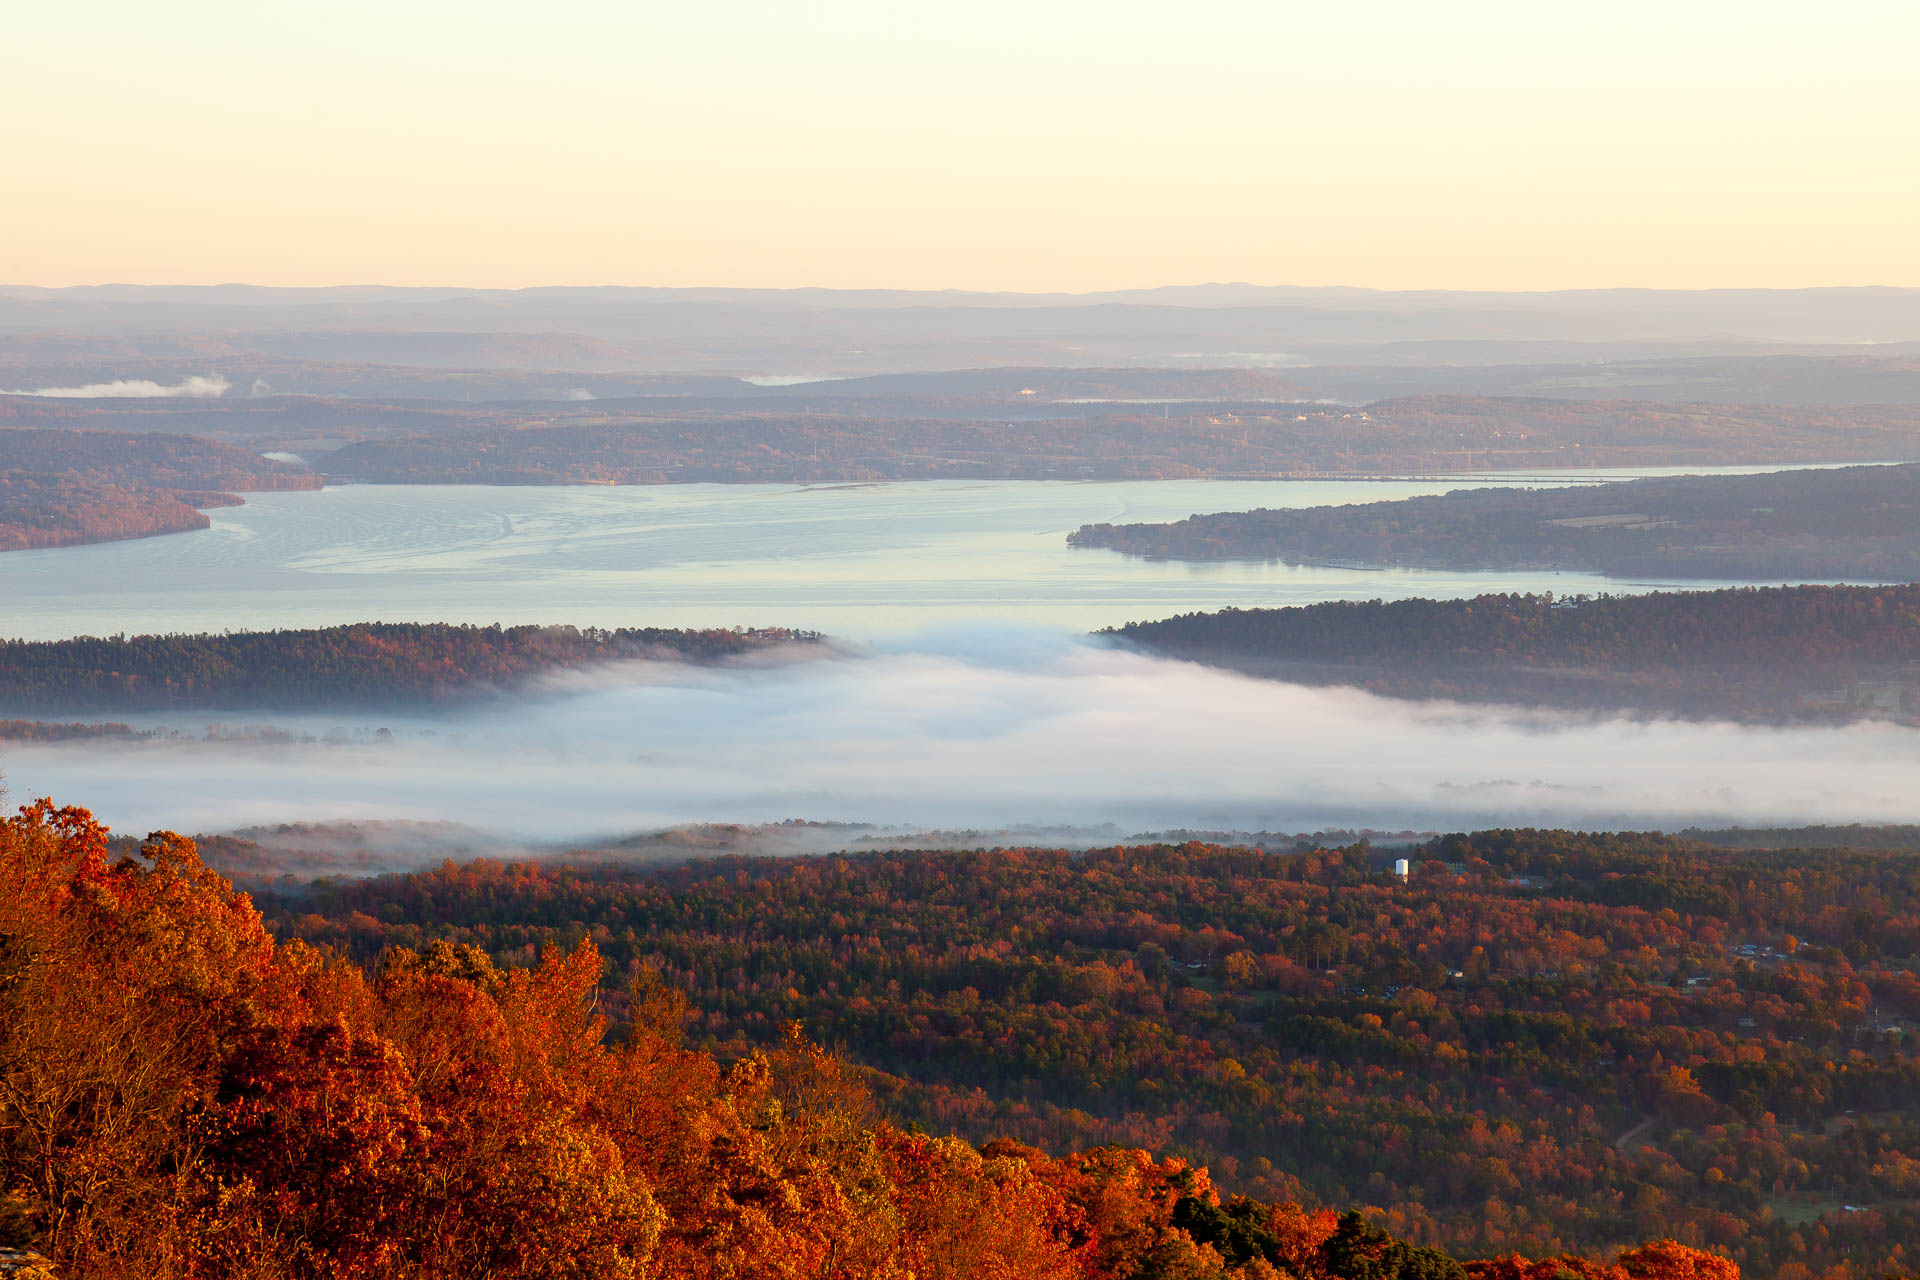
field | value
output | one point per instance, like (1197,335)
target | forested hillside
(63,487)
(147,460)
(1852,523)
(184,1098)
(853,440)
(41,731)
(1542,1041)
(820,448)
(374,664)
(437,425)
(1767,654)
(60,511)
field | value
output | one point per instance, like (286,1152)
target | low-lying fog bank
(986,730)
(255,856)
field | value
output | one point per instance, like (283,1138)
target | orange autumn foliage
(183,1098)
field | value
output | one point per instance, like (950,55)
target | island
(1846,523)
(367,666)
(1755,654)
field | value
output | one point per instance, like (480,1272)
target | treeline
(1852,522)
(1490,431)
(64,487)
(184,1098)
(1541,1042)
(1853,835)
(62,511)
(666,443)
(851,446)
(41,731)
(980,423)
(146,459)
(310,388)
(1767,653)
(369,664)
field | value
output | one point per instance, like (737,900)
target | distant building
(1402,868)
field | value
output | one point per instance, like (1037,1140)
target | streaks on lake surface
(853,561)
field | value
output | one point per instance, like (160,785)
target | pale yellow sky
(1030,146)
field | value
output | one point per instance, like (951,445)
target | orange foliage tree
(181,1098)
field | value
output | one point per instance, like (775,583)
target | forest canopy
(184,1097)
(1020,423)
(64,487)
(370,664)
(1756,654)
(152,460)
(1539,1042)
(1857,523)
(60,511)
(850,440)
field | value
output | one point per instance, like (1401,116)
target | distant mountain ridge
(1865,314)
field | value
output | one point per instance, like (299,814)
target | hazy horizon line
(958,291)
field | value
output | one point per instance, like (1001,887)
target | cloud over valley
(985,728)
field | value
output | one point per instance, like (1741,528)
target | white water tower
(1402,868)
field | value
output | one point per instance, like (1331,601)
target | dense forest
(1539,1042)
(1853,522)
(1067,423)
(42,731)
(817,448)
(1756,654)
(323,384)
(147,460)
(371,664)
(64,510)
(1853,835)
(1007,423)
(63,487)
(1506,431)
(849,441)
(182,1097)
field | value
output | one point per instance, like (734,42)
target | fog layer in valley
(985,728)
(207,387)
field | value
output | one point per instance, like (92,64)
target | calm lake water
(974,703)
(858,561)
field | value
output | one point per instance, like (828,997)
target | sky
(1066,145)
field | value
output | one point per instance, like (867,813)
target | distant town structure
(1402,868)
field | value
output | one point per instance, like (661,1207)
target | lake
(864,562)
(971,697)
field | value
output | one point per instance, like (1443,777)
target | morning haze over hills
(1057,704)
(871,331)
(838,726)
